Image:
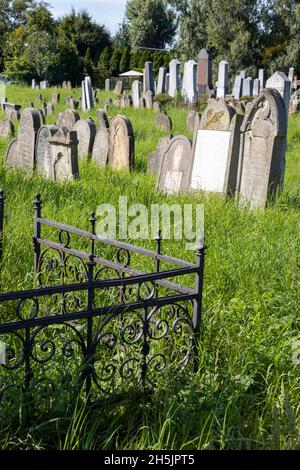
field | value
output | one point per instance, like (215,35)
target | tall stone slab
(107,84)
(55,98)
(204,78)
(174,84)
(121,143)
(136,91)
(167,82)
(222,79)
(291,76)
(64,154)
(101,143)
(148,99)
(161,82)
(261,78)
(216,149)
(175,166)
(248,87)
(89,93)
(43,153)
(189,82)
(30,122)
(86,131)
(238,87)
(263,135)
(148,77)
(256,87)
(154,158)
(83,97)
(243,74)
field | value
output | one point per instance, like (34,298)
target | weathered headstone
(83,97)
(117,102)
(149,99)
(101,143)
(86,131)
(167,82)
(107,84)
(243,74)
(263,135)
(67,119)
(190,120)
(161,82)
(69,85)
(30,123)
(280,82)
(222,79)
(121,143)
(291,76)
(175,166)
(55,98)
(148,83)
(136,93)
(43,154)
(38,98)
(74,104)
(154,158)
(248,87)
(64,154)
(33,84)
(256,87)
(11,156)
(89,93)
(43,85)
(174,83)
(142,103)
(189,86)
(238,87)
(204,78)
(6,129)
(12,111)
(64,84)
(163,122)
(119,88)
(261,78)
(50,109)
(216,149)
(157,107)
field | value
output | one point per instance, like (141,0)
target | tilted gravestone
(86,131)
(263,135)
(30,123)
(67,119)
(216,149)
(148,99)
(101,143)
(190,120)
(121,143)
(7,129)
(43,153)
(155,157)
(12,111)
(175,166)
(64,154)
(163,122)
(119,88)
(55,98)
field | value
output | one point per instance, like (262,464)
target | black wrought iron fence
(95,323)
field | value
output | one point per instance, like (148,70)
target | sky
(107,12)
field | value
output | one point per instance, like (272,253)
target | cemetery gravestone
(43,154)
(142,103)
(119,88)
(174,80)
(11,156)
(102,119)
(101,143)
(55,98)
(238,87)
(30,123)
(157,107)
(175,166)
(155,157)
(189,87)
(256,87)
(67,119)
(190,120)
(216,149)
(263,135)
(222,79)
(148,77)
(89,93)
(149,99)
(86,131)
(6,129)
(136,93)
(64,154)
(204,78)
(248,87)
(261,78)
(161,82)
(107,84)
(12,111)
(121,143)
(50,109)
(163,121)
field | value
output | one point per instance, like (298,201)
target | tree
(115,62)
(151,23)
(122,36)
(125,60)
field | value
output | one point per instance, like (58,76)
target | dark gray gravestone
(6,129)
(86,131)
(175,166)
(30,123)
(67,118)
(155,157)
(121,143)
(43,154)
(164,122)
(263,135)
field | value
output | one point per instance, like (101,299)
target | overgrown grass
(246,393)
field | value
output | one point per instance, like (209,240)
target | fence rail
(97,321)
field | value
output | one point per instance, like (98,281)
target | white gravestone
(222,79)
(189,82)
(174,80)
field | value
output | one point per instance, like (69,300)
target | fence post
(37,207)
(90,301)
(200,255)
(1,220)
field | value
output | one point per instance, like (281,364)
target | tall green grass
(246,393)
